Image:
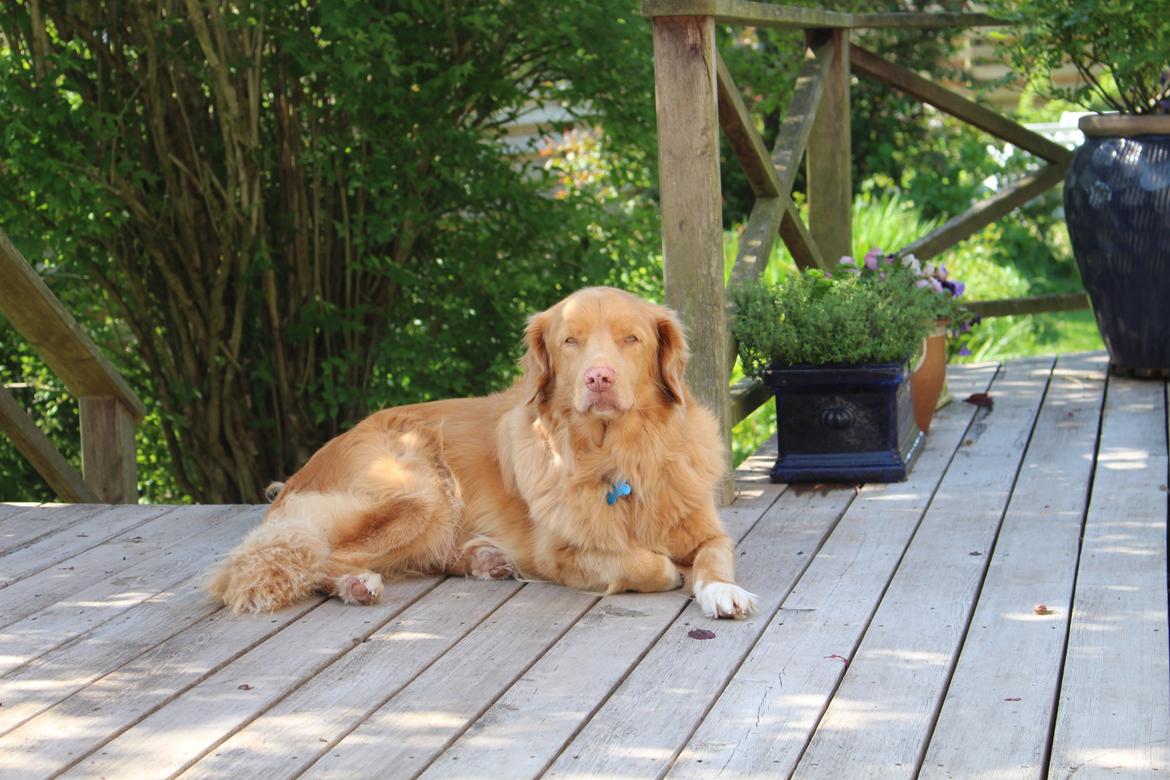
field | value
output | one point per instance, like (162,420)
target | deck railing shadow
(696,97)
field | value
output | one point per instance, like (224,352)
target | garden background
(278,216)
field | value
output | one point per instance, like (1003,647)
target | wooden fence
(109,409)
(697,97)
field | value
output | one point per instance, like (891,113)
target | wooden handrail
(109,409)
(694,88)
(794,17)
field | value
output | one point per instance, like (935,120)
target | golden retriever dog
(596,470)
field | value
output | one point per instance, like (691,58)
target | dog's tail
(276,564)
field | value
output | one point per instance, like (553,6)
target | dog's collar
(619,488)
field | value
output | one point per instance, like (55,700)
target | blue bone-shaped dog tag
(619,489)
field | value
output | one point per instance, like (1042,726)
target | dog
(597,470)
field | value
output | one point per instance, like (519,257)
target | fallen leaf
(1042,609)
(700,633)
(244,687)
(840,658)
(982,400)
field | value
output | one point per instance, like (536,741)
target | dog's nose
(600,379)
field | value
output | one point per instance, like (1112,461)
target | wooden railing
(109,409)
(696,97)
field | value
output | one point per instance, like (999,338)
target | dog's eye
(570,341)
(631,339)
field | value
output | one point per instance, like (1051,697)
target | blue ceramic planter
(844,423)
(1117,206)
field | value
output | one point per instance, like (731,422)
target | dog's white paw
(363,588)
(724,600)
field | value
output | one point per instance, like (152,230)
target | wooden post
(108,454)
(830,185)
(686,98)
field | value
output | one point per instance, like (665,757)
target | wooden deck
(897,634)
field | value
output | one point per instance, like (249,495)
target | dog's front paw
(724,600)
(489,563)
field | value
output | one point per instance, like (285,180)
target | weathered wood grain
(109,458)
(1112,714)
(770,707)
(90,605)
(1033,304)
(184,729)
(881,715)
(743,12)
(800,242)
(410,730)
(326,708)
(101,523)
(800,116)
(987,211)
(83,721)
(869,64)
(830,177)
(24,525)
(1003,690)
(35,313)
(692,218)
(742,136)
(65,481)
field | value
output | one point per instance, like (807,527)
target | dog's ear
(536,362)
(672,356)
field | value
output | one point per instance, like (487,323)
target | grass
(1000,262)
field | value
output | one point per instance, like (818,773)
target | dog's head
(605,352)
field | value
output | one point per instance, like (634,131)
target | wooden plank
(415,725)
(109,457)
(869,64)
(9,509)
(800,116)
(26,524)
(122,561)
(828,158)
(747,396)
(82,722)
(64,480)
(800,242)
(742,136)
(895,680)
(1112,716)
(28,303)
(987,211)
(926,20)
(742,12)
(557,696)
(764,717)
(96,528)
(692,218)
(88,607)
(36,686)
(1003,690)
(320,713)
(204,715)
(1035,304)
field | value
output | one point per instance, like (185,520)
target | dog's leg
(483,562)
(635,568)
(714,581)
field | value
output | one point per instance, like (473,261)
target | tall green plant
(295,212)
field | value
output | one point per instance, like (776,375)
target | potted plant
(948,316)
(1117,190)
(835,350)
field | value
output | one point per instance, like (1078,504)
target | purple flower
(846,260)
(964,351)
(921,283)
(936,285)
(871,259)
(959,288)
(942,273)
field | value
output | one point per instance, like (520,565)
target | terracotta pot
(928,383)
